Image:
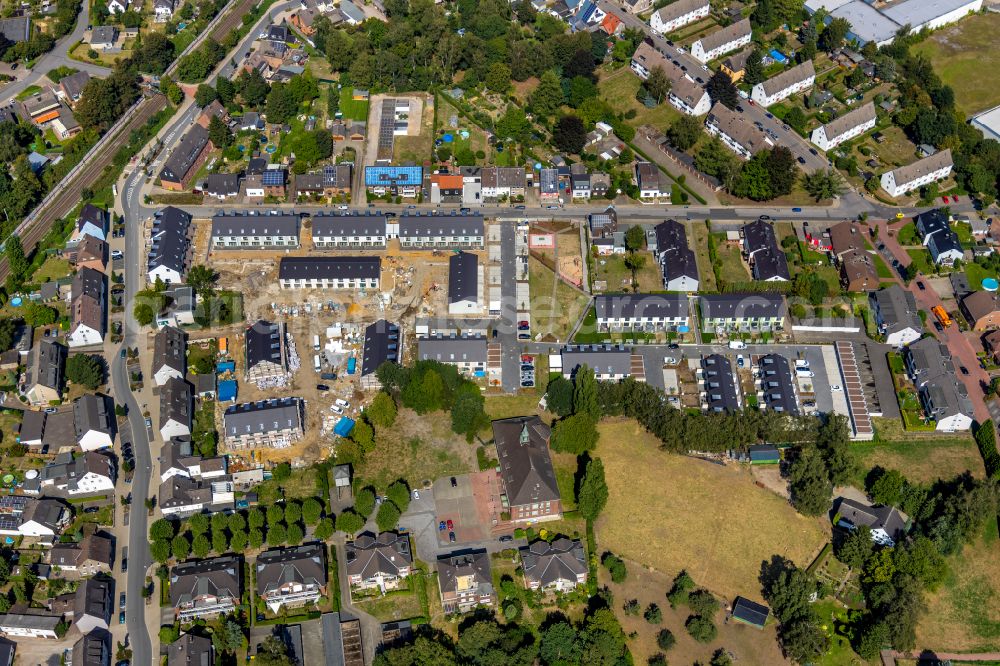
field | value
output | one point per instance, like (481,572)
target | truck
(316,346)
(737,344)
(316,363)
(942,315)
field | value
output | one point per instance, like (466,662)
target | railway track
(73,191)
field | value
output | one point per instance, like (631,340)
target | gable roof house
(645,312)
(766,258)
(273,423)
(177,458)
(338,272)
(104,37)
(169,355)
(742,312)
(436,230)
(676,258)
(176,407)
(93,473)
(72,86)
(183,496)
(93,422)
(559,566)
(717,382)
(191,650)
(92,555)
(647,176)
(844,237)
(45,372)
(464,285)
(206,588)
(465,581)
(359,229)
(887,526)
(378,562)
(685,93)
(526,471)
(264,352)
(782,86)
(291,576)
(944,398)
(736,132)
(858,271)
(383,344)
(185,159)
(896,315)
(852,124)
(163,10)
(222,186)
(722,41)
(678,14)
(750,612)
(169,253)
(88,308)
(91,253)
(93,604)
(939,238)
(92,221)
(775,384)
(904,179)
(44,519)
(982,309)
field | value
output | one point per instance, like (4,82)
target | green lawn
(28,92)
(921,460)
(964,233)
(618,89)
(965,56)
(907,235)
(351,108)
(977,274)
(53,269)
(881,268)
(732,268)
(922,259)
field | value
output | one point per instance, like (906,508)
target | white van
(737,344)
(316,363)
(316,342)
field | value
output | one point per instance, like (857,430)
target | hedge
(987,441)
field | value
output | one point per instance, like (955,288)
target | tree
(161,529)
(86,370)
(275,514)
(581,89)
(276,535)
(665,640)
(722,89)
(468,415)
(615,566)
(17,262)
(634,262)
(559,394)
(387,517)
(252,88)
(834,34)
(498,77)
(514,125)
(721,658)
(585,393)
(273,652)
(658,84)
(399,494)
(282,472)
(38,314)
(684,132)
(324,530)
(201,546)
(700,628)
(653,614)
(635,238)
(350,522)
(226,90)
(364,502)
(823,184)
(810,483)
(789,594)
(295,534)
(855,548)
(575,434)
(8,327)
(753,70)
(833,436)
(382,410)
(180,547)
(560,644)
(143,314)
(219,133)
(256,537)
(548,96)
(205,95)
(281,104)
(202,279)
(888,488)
(160,550)
(293,512)
(312,510)
(255,517)
(198,524)
(363,435)
(681,589)
(701,602)
(569,135)
(238,542)
(593,494)
(228,637)
(804,641)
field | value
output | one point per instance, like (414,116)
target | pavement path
(57,57)
(889,657)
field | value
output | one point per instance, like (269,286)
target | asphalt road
(57,57)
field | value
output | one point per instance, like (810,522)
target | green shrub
(987,441)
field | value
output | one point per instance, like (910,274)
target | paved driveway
(458,504)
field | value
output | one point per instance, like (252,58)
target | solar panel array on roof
(273,177)
(386,129)
(861,420)
(9,523)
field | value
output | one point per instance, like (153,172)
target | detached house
(91,556)
(169,355)
(678,14)
(206,588)
(88,308)
(939,238)
(291,576)
(92,473)
(677,260)
(928,170)
(465,285)
(559,566)
(887,527)
(44,376)
(528,479)
(648,179)
(982,310)
(191,650)
(163,10)
(176,408)
(93,422)
(724,40)
(760,246)
(378,562)
(92,222)
(93,604)
(896,315)
(178,459)
(465,581)
(944,398)
(170,246)
(782,86)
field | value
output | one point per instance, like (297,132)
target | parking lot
(456,502)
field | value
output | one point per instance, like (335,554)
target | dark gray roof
(463,277)
(169,239)
(32,426)
(233,223)
(48,364)
(191,650)
(453,349)
(92,412)
(330,268)
(934,224)
(525,464)
(94,597)
(777,384)
(93,649)
(602,359)
(7,650)
(104,34)
(720,385)
(170,349)
(305,564)
(750,612)
(876,517)
(45,511)
(354,224)
(16,29)
(769,261)
(263,416)
(897,308)
(65,469)
(672,249)
(264,344)
(475,564)
(545,562)
(96,547)
(717,306)
(179,491)
(613,306)
(73,84)
(218,576)
(30,621)
(415,225)
(224,184)
(382,343)
(387,553)
(185,154)
(176,402)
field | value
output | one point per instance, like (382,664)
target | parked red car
(451,525)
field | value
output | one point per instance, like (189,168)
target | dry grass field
(671,513)
(923,461)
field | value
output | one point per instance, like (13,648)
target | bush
(387,517)
(653,614)
(665,639)
(701,629)
(364,502)
(987,441)
(615,566)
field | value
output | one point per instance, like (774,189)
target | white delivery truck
(316,364)
(737,344)
(316,343)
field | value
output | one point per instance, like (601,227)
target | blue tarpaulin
(344,427)
(352,365)
(227,390)
(226,366)
(779,56)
